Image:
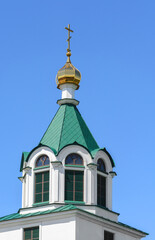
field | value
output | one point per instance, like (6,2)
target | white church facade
(67,180)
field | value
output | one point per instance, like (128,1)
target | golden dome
(68,73)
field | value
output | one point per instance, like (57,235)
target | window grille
(42,161)
(101,190)
(42,187)
(74,185)
(74,159)
(31,233)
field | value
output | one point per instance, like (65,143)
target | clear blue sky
(114,48)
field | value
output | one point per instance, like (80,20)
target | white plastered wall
(57,175)
(29,180)
(59,229)
(49,228)
(13,233)
(68,90)
(90,229)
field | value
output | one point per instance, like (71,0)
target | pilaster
(56,165)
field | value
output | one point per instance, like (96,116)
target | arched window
(74,179)
(42,180)
(101,183)
(101,165)
(74,159)
(42,161)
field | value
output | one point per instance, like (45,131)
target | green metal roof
(68,127)
(64,208)
(18,215)
(24,157)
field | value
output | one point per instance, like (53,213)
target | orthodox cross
(69,37)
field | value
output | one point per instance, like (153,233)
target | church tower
(67,179)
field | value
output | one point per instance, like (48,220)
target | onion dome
(68,73)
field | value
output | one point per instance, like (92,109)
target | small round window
(101,165)
(42,161)
(74,159)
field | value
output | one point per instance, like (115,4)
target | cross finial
(68,40)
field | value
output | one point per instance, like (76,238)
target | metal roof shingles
(66,128)
(52,135)
(91,144)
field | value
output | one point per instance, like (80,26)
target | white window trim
(34,178)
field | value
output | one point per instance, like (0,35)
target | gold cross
(69,37)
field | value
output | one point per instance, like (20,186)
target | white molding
(68,101)
(75,149)
(101,154)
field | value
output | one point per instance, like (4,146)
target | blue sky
(113,46)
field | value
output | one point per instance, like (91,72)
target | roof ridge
(49,125)
(62,126)
(77,111)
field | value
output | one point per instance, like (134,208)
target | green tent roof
(68,127)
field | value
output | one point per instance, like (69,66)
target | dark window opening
(41,187)
(101,190)
(31,233)
(108,235)
(74,185)
(101,165)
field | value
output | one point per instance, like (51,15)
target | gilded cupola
(68,74)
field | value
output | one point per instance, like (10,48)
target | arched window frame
(44,172)
(40,158)
(99,168)
(101,185)
(76,171)
(74,157)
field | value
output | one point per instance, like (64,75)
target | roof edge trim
(73,144)
(65,209)
(95,151)
(29,154)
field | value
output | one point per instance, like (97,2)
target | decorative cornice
(113,174)
(92,166)
(22,178)
(27,169)
(68,101)
(56,163)
(46,215)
